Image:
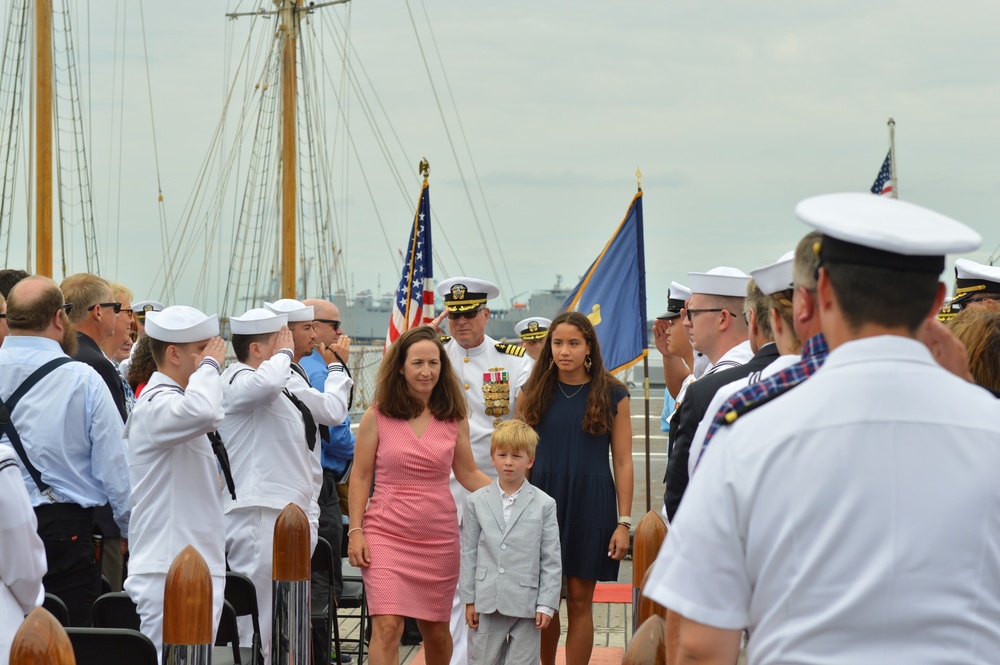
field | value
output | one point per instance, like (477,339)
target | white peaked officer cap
(679,292)
(294,309)
(721,281)
(777,276)
(257,321)
(464,293)
(861,229)
(144,306)
(535,327)
(972,278)
(181,324)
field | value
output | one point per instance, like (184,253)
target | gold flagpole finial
(638,178)
(425,168)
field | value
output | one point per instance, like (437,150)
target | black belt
(64,510)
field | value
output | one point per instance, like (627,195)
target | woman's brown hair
(142,364)
(978,328)
(392,395)
(537,394)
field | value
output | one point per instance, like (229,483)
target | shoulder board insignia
(445,339)
(733,414)
(510,349)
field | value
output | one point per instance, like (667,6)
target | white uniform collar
(738,355)
(488,343)
(883,347)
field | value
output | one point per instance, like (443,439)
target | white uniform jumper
(272,466)
(176,489)
(470,365)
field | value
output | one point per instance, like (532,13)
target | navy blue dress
(573,468)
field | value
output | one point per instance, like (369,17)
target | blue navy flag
(414,304)
(613,293)
(883,182)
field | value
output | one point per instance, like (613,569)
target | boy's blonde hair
(515,436)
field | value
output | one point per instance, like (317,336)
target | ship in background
(366,316)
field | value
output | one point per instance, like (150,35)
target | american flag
(883,182)
(414,303)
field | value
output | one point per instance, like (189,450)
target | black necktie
(220,453)
(307,417)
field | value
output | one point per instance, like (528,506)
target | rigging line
(13,56)
(114,91)
(468,148)
(161,206)
(451,142)
(121,139)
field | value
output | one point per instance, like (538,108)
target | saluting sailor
(177,469)
(271,445)
(974,283)
(491,375)
(533,332)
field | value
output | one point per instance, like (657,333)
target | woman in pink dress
(407,541)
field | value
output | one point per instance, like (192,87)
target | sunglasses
(471,314)
(334,323)
(116,305)
(68,307)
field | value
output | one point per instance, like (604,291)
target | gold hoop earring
(587,364)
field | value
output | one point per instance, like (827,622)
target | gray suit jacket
(514,567)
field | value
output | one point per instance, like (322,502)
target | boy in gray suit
(511,563)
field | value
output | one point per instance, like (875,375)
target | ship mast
(289,188)
(43,137)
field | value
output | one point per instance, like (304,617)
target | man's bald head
(324,312)
(32,305)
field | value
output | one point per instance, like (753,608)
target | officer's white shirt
(723,394)
(854,520)
(23,563)
(470,365)
(265,438)
(176,484)
(70,428)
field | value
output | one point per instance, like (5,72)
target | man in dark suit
(700,393)
(94,316)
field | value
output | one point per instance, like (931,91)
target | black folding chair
(227,636)
(115,610)
(242,595)
(57,608)
(111,646)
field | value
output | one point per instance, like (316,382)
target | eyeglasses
(129,311)
(699,311)
(334,323)
(116,305)
(471,314)
(68,307)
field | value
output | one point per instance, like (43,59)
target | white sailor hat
(462,294)
(880,231)
(777,276)
(257,321)
(294,309)
(973,278)
(535,327)
(142,307)
(721,281)
(181,324)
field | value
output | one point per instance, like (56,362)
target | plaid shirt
(814,354)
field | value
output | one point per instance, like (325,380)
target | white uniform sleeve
(330,407)
(175,419)
(249,390)
(700,571)
(22,565)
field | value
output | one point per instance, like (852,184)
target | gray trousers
(506,640)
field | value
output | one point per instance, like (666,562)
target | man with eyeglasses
(69,434)
(714,320)
(490,374)
(94,316)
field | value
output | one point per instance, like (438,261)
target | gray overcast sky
(734,111)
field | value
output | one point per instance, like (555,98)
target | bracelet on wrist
(350,531)
(625,519)
(626,525)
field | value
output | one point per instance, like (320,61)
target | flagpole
(645,381)
(892,158)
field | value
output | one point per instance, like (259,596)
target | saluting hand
(215,349)
(661,337)
(284,339)
(436,323)
(342,348)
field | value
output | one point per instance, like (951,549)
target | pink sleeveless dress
(411,524)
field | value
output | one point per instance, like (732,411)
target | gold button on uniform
(466,358)
(466,386)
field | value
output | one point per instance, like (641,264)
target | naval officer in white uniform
(855,518)
(491,374)
(271,445)
(177,478)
